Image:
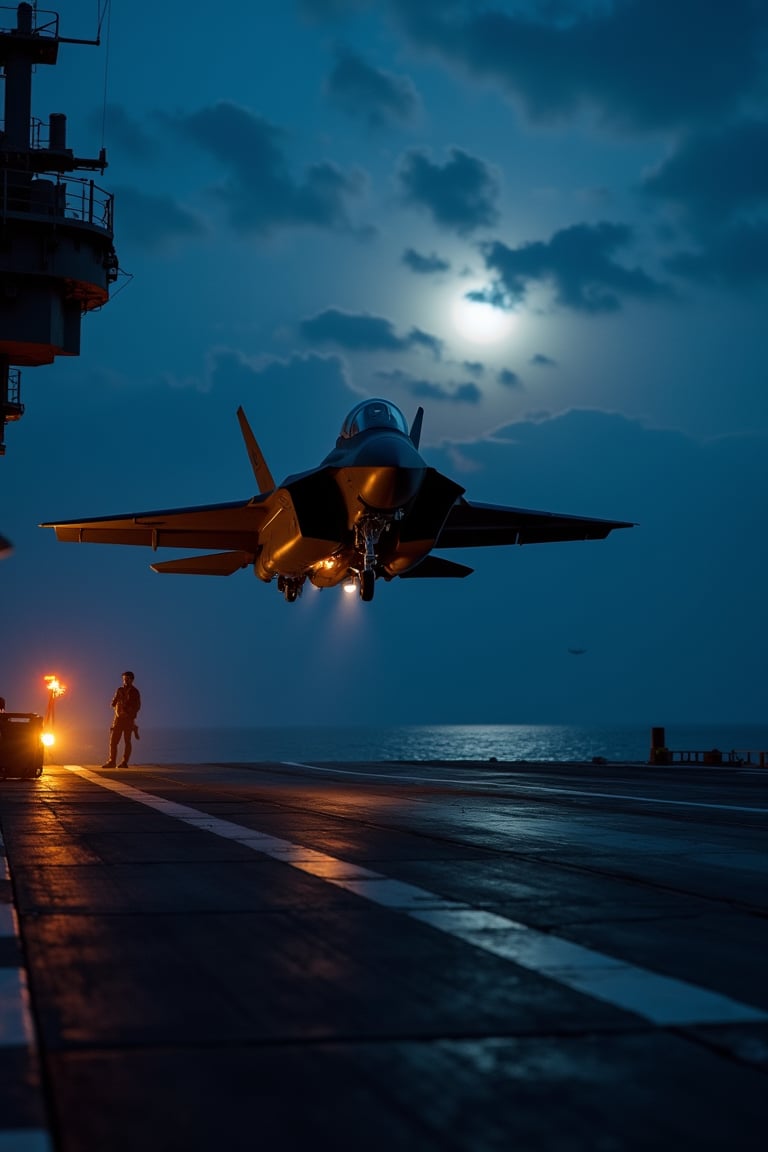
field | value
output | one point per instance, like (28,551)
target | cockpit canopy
(373,414)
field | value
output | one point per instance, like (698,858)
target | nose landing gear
(290,586)
(367,533)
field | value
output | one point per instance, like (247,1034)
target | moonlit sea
(515,742)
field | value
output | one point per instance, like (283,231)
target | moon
(479,322)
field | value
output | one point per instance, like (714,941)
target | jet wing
(233,526)
(470,525)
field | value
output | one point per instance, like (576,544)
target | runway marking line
(660,999)
(7,921)
(15,1023)
(537,788)
(17,1031)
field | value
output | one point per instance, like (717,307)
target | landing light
(350,584)
(54,685)
(55,689)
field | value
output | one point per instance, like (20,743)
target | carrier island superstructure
(57,258)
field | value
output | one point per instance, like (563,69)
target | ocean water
(504,742)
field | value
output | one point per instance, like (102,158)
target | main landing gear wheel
(367,584)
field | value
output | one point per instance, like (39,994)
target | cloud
(153,222)
(713,176)
(295,405)
(491,294)
(542,361)
(378,97)
(509,379)
(424,265)
(718,183)
(361,332)
(426,340)
(579,263)
(260,194)
(460,195)
(640,64)
(737,257)
(465,393)
(126,134)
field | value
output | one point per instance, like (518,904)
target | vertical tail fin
(258,463)
(416,427)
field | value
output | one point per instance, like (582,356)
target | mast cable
(107,11)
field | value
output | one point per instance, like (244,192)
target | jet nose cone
(386,489)
(389,471)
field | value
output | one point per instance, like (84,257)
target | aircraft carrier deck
(440,958)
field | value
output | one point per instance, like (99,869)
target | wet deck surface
(467,957)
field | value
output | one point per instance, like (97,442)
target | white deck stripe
(16,1027)
(651,800)
(15,1022)
(660,999)
(7,921)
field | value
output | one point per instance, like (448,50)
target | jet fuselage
(371,481)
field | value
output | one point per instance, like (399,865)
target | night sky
(546,221)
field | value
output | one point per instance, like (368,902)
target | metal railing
(49,196)
(711,757)
(705,756)
(760,758)
(48,28)
(13,389)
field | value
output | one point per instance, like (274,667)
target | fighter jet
(372,510)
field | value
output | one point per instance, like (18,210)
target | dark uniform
(126,703)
